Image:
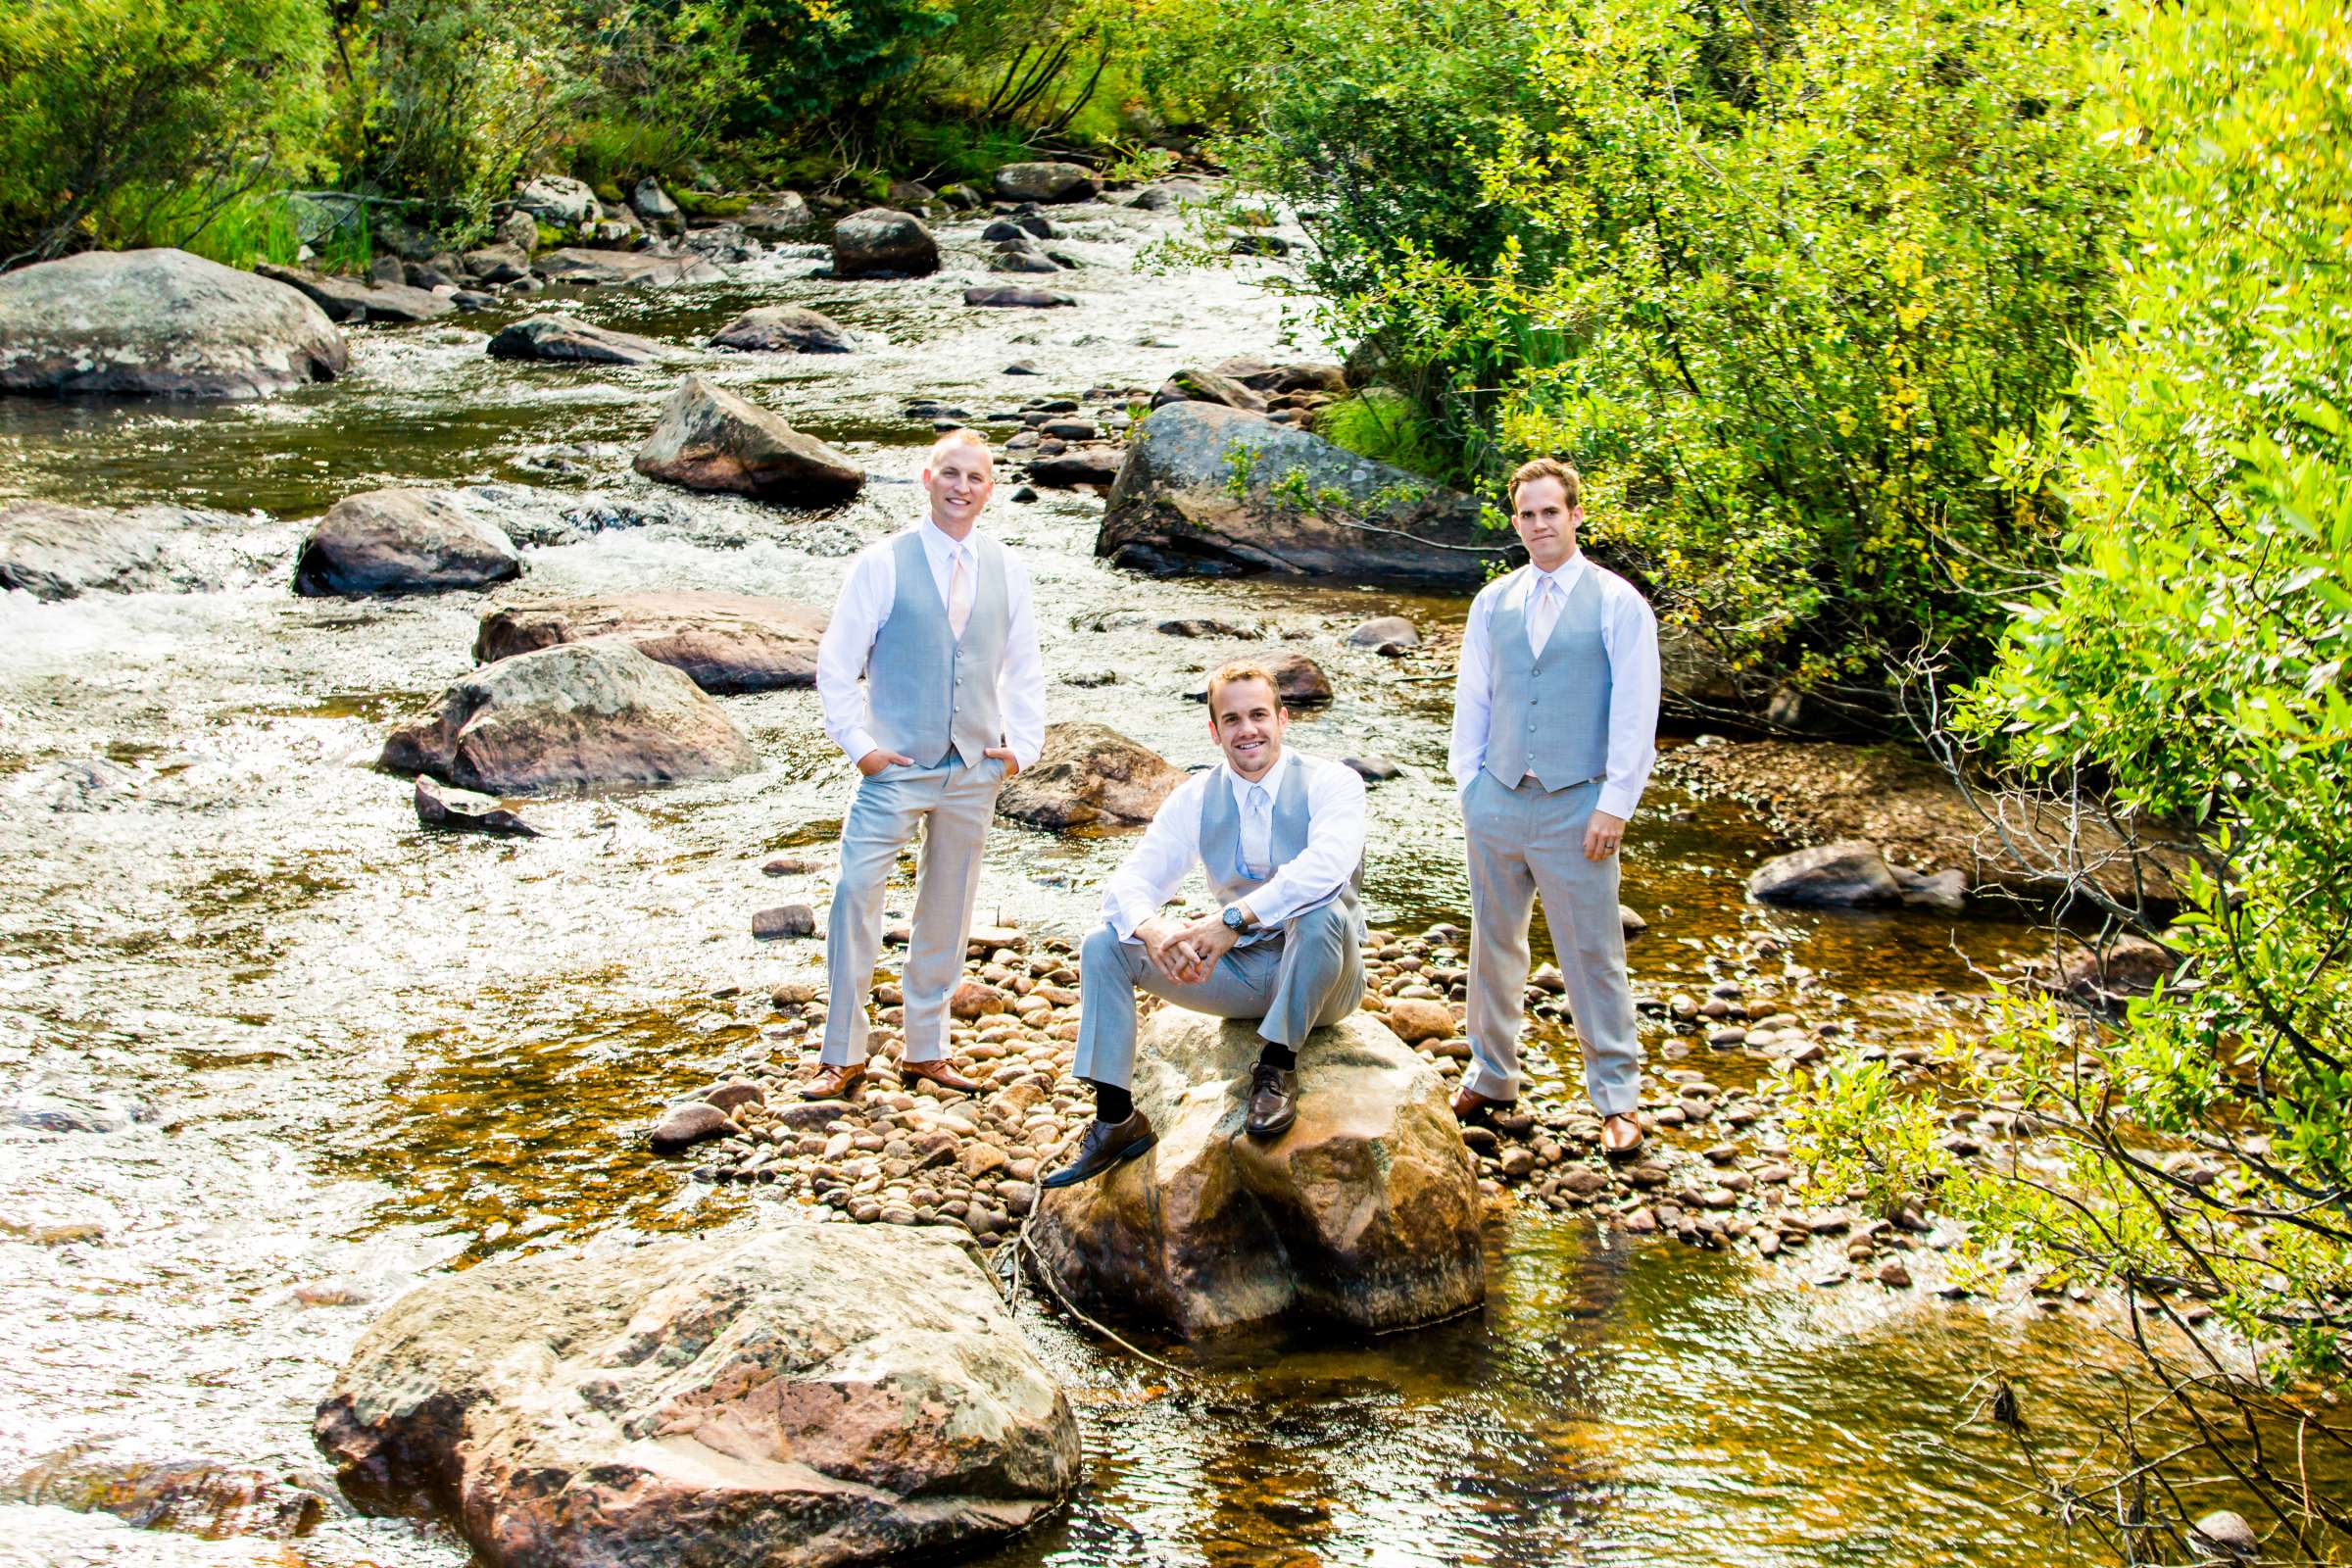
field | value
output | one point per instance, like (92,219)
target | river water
(338,1054)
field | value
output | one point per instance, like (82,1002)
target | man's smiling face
(1247,721)
(960,478)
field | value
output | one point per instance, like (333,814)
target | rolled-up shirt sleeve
(1021,682)
(1335,846)
(1473,690)
(840,653)
(1158,866)
(1629,631)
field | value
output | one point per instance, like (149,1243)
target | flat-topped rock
(722,642)
(577,716)
(1048,181)
(356,300)
(708,438)
(568,340)
(1366,1212)
(1305,508)
(52,551)
(1089,776)
(625,268)
(402,541)
(793,1396)
(783,329)
(159,323)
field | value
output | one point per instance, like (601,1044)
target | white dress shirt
(872,588)
(1171,846)
(1629,631)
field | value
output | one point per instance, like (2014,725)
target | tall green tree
(113,111)
(2190,659)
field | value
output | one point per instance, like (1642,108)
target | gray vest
(929,695)
(1550,710)
(1221,838)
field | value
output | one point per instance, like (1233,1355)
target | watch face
(1233,918)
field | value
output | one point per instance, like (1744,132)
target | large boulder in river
(709,439)
(402,541)
(783,329)
(159,323)
(568,340)
(794,1396)
(1048,182)
(622,269)
(1308,508)
(1849,873)
(723,642)
(1089,776)
(879,242)
(1366,1212)
(580,716)
(52,551)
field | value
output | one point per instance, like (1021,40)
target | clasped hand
(1186,953)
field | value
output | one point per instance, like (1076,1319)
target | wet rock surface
(1365,1213)
(783,329)
(457,810)
(1089,776)
(568,340)
(159,323)
(577,716)
(55,552)
(211,1499)
(722,642)
(710,439)
(624,268)
(402,541)
(355,300)
(1173,510)
(880,242)
(786,1393)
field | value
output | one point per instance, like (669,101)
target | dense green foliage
(1778,286)
(131,120)
(2192,651)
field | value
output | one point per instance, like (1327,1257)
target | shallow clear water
(371,1053)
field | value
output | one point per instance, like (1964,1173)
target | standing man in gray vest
(1281,837)
(1555,724)
(932,684)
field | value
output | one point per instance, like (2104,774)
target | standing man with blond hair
(932,684)
(1555,725)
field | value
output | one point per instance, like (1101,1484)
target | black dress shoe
(1273,1102)
(1106,1143)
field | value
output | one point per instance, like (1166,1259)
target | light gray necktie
(1257,835)
(1550,601)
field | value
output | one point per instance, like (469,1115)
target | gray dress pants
(951,805)
(1310,975)
(1523,842)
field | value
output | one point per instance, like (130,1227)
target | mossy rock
(552,237)
(608,191)
(702,204)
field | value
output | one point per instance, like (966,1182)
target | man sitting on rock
(1281,837)
(931,681)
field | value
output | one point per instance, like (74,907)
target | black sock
(1271,1054)
(1112,1103)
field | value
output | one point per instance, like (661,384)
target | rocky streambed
(276,1052)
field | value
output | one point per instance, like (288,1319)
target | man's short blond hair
(1549,469)
(1239,669)
(963,436)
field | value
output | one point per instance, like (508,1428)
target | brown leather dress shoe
(836,1083)
(1621,1151)
(936,1072)
(1469,1105)
(1106,1143)
(1273,1102)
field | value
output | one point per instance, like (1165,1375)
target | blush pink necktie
(1548,604)
(960,597)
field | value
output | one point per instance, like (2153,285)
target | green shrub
(137,121)
(1386,426)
